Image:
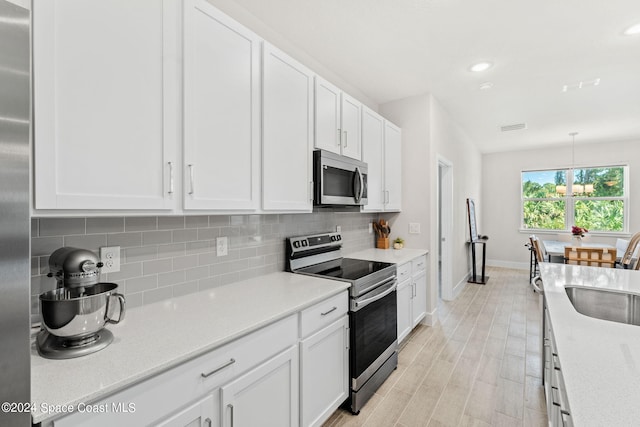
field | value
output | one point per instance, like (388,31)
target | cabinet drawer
(162,395)
(419,264)
(323,313)
(404,271)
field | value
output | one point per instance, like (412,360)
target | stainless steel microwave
(338,180)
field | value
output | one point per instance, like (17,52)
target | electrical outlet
(222,248)
(414,228)
(110,257)
(338,229)
(370,228)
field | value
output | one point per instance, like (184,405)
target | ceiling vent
(580,85)
(517,126)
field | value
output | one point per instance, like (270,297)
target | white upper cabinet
(287,133)
(392,167)
(327,119)
(351,115)
(337,121)
(221,111)
(373,156)
(382,151)
(105,116)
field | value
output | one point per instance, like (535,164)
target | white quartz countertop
(395,256)
(600,359)
(160,336)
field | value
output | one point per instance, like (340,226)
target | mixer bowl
(75,313)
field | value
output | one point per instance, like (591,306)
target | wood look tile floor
(479,366)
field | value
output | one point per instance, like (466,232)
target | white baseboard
(508,264)
(457,289)
(430,319)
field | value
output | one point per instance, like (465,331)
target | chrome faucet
(628,254)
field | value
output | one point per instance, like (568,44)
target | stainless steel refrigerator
(15,107)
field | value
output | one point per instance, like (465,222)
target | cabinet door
(324,361)
(287,133)
(351,127)
(327,116)
(105,110)
(392,167)
(405,309)
(265,396)
(221,111)
(204,413)
(372,154)
(419,301)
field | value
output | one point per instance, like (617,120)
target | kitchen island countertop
(156,337)
(600,359)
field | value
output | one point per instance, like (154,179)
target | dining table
(555,248)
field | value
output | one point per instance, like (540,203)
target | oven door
(373,335)
(339,180)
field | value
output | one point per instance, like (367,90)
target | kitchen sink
(621,307)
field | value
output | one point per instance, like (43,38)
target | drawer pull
(209,422)
(229,363)
(231,409)
(327,312)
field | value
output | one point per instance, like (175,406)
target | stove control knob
(339,237)
(333,238)
(296,244)
(305,243)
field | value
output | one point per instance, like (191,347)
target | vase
(576,240)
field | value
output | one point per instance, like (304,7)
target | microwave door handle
(361,185)
(357,194)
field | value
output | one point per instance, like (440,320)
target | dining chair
(593,257)
(630,258)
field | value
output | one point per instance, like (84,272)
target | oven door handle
(360,304)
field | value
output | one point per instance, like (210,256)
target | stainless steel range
(373,352)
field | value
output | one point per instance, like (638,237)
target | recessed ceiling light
(486,85)
(633,30)
(481,66)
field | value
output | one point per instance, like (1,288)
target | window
(593,198)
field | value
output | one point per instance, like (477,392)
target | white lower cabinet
(412,295)
(204,413)
(405,316)
(270,377)
(324,372)
(265,396)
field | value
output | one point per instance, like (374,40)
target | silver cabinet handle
(311,191)
(339,139)
(327,312)
(209,422)
(386,196)
(346,141)
(208,374)
(170,177)
(231,408)
(191,178)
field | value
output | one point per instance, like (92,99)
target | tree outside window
(593,198)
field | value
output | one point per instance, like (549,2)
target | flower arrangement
(578,231)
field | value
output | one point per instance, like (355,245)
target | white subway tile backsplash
(170,222)
(105,225)
(88,241)
(124,240)
(62,226)
(164,257)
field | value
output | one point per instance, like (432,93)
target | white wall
(428,131)
(500,202)
(450,142)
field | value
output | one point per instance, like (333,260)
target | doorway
(445,226)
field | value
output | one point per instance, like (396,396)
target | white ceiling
(391,49)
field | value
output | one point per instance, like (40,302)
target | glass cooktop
(346,268)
